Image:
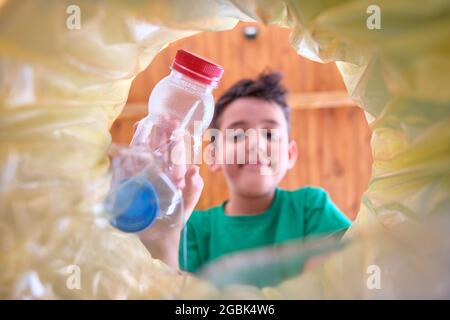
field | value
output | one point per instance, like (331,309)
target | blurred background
(330,129)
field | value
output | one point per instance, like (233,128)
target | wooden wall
(331,131)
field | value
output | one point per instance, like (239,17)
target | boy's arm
(163,240)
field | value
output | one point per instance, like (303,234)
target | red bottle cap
(197,68)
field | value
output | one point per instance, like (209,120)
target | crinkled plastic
(141,193)
(60,90)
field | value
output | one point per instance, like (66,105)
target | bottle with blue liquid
(149,175)
(140,191)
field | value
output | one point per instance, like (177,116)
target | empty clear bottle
(148,176)
(181,107)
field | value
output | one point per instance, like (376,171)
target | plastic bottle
(180,107)
(148,176)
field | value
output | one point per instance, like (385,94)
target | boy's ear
(292,153)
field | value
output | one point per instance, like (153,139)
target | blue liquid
(136,205)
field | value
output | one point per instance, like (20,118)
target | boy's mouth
(254,165)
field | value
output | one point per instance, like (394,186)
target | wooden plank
(320,99)
(297,101)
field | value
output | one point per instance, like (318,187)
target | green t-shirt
(292,215)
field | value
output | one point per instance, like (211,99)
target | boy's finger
(193,188)
(194,181)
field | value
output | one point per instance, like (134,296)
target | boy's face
(257,129)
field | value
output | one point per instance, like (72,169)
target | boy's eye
(238,137)
(271,135)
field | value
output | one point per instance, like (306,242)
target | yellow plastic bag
(62,86)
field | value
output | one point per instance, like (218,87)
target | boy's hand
(162,239)
(162,140)
(192,189)
(185,177)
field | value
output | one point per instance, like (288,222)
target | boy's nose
(257,149)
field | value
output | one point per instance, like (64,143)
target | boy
(258,213)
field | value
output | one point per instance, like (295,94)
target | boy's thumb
(193,187)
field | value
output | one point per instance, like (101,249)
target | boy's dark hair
(267,87)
